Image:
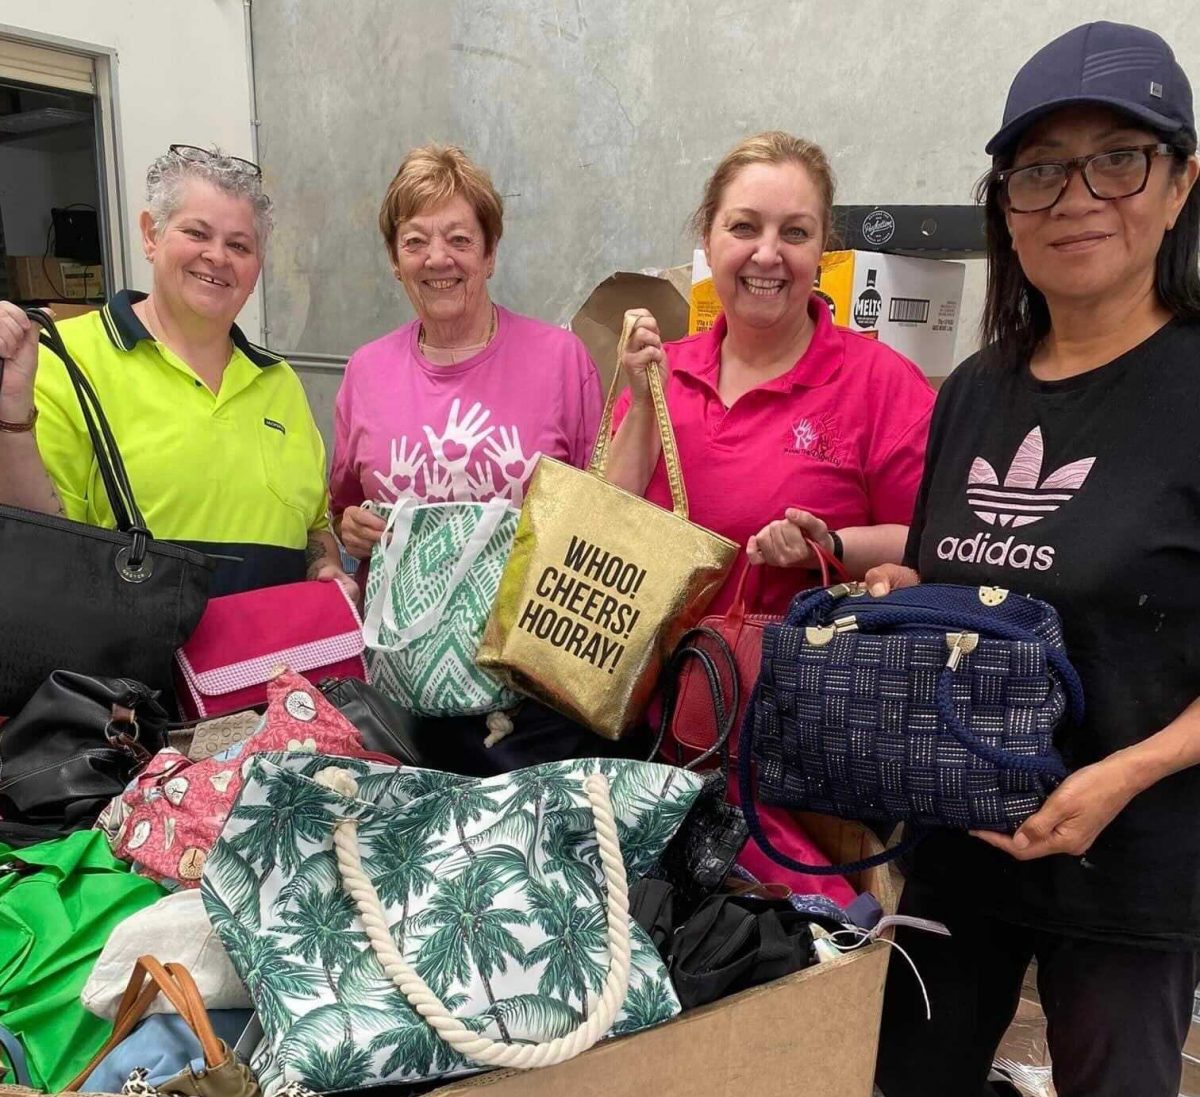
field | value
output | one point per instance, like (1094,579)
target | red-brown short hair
(429,177)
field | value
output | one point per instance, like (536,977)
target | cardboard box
(68,310)
(598,322)
(38,278)
(911,305)
(815,1032)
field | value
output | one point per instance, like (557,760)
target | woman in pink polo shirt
(787,426)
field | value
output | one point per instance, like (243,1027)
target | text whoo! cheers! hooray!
(585,605)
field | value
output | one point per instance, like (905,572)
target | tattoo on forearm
(315,554)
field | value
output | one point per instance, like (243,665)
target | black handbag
(97,601)
(729,943)
(73,747)
(385,727)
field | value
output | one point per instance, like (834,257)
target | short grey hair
(170,173)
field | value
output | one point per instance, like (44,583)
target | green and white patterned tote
(430,587)
(345,892)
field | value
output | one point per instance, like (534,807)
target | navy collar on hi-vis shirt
(123,327)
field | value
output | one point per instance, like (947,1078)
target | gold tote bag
(600,584)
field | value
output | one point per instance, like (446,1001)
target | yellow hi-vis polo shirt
(239,473)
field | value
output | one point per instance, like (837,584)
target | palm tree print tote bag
(346,892)
(430,587)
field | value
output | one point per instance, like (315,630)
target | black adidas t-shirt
(1085,493)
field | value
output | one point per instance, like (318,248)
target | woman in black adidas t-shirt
(1064,462)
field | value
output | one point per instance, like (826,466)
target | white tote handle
(450,1029)
(397,534)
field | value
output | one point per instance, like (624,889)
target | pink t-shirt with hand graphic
(404,427)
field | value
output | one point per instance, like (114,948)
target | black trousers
(1117,1015)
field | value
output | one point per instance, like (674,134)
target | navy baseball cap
(1112,64)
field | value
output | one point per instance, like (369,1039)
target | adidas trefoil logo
(1021,500)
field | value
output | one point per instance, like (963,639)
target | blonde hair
(430,176)
(772,147)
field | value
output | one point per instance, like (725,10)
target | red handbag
(243,639)
(694,717)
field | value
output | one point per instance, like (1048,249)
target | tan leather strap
(175,983)
(210,1044)
(666,433)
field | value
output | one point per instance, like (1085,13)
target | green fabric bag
(430,588)
(59,902)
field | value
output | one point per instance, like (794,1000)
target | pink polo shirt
(842,434)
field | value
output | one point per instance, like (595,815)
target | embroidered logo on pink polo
(815,436)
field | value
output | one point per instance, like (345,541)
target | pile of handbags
(280,899)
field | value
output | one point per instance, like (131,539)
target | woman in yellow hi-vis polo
(216,433)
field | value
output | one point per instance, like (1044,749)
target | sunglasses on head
(198,155)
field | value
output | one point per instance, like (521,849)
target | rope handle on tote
(877,615)
(666,433)
(1049,766)
(416,991)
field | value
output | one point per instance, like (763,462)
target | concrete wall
(601,119)
(181,77)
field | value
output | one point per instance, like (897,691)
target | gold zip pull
(960,644)
(820,635)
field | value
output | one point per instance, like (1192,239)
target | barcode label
(909,310)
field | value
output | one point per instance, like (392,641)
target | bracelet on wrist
(839,549)
(19,428)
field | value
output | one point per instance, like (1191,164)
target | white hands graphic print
(402,479)
(467,462)
(515,468)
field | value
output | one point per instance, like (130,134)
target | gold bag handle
(666,433)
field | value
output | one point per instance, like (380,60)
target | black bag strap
(725,706)
(108,457)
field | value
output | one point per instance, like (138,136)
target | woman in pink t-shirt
(788,427)
(459,404)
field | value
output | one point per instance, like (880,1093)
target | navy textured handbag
(935,705)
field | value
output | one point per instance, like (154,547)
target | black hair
(1015,315)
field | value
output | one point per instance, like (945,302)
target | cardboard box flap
(598,321)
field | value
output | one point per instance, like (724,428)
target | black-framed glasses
(200,155)
(1119,173)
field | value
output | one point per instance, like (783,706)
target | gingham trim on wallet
(253,672)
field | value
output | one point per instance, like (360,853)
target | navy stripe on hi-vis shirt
(242,567)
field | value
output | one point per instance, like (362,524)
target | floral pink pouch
(169,816)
